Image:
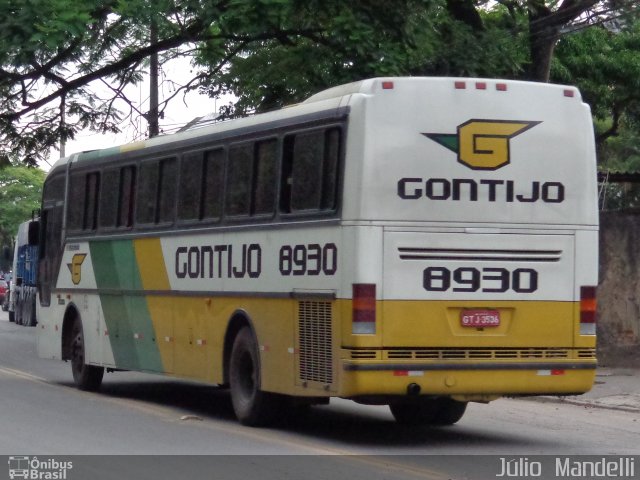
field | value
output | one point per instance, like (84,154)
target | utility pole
(154,128)
(62,123)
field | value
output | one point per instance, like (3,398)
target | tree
(507,38)
(547,21)
(53,53)
(380,38)
(603,62)
(20,195)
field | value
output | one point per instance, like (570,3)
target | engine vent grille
(587,353)
(316,342)
(486,353)
(363,354)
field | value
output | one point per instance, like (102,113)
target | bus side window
(239,180)
(264,188)
(213,184)
(156,191)
(126,194)
(251,178)
(166,194)
(75,210)
(332,144)
(109,195)
(310,171)
(92,191)
(191,169)
(51,236)
(147,192)
(82,212)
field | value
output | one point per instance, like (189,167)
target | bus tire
(428,411)
(449,411)
(419,412)
(86,377)
(252,406)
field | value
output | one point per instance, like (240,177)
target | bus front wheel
(86,377)
(428,411)
(252,406)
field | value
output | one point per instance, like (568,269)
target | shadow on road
(342,422)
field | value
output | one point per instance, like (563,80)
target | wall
(619,290)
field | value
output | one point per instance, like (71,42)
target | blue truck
(23,291)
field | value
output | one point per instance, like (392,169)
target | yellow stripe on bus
(153,276)
(151,264)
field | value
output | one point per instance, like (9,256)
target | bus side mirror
(7,253)
(34,232)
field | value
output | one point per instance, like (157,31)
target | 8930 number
(311,259)
(490,280)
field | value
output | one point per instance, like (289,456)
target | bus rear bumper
(478,382)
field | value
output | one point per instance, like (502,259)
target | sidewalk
(614,388)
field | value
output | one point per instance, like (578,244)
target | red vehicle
(4,290)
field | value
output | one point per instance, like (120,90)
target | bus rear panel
(480,196)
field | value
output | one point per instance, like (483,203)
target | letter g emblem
(484,145)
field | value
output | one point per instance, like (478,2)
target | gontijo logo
(482,144)
(75,267)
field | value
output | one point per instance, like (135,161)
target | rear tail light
(588,305)
(364,308)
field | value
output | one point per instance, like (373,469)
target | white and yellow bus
(416,242)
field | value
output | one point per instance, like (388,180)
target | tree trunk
(545,26)
(541,46)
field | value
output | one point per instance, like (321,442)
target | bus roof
(324,100)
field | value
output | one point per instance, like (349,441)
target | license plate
(480,318)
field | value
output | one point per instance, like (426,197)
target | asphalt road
(42,413)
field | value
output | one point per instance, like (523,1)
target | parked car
(4,287)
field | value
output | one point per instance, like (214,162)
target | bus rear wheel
(428,411)
(252,406)
(86,377)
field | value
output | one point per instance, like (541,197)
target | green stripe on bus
(127,317)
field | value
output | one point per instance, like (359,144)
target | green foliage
(266,52)
(605,65)
(357,40)
(20,194)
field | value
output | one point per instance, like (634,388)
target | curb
(584,403)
